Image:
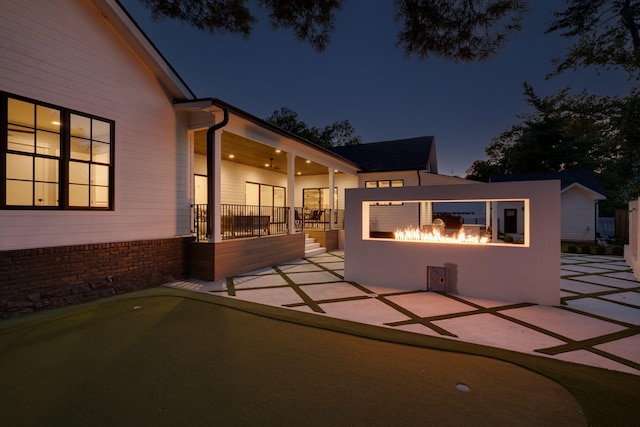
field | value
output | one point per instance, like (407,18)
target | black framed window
(53,157)
(384,183)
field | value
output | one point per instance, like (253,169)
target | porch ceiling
(251,153)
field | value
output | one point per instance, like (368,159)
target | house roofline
(598,196)
(116,14)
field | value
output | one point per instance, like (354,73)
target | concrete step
(311,248)
(314,252)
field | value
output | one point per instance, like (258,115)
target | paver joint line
(611,348)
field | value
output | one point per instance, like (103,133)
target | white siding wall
(66,53)
(577,215)
(392,218)
(235,176)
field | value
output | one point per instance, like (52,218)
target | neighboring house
(579,197)
(115,176)
(398,163)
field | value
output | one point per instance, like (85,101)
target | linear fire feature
(509,251)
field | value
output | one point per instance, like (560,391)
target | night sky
(364,78)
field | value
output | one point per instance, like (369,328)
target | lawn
(169,357)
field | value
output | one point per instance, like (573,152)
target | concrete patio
(597,324)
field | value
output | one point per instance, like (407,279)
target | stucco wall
(503,272)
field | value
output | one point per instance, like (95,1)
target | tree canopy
(606,34)
(459,30)
(572,132)
(606,31)
(334,135)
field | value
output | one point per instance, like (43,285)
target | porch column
(332,182)
(216,229)
(291,190)
(487,214)
(494,221)
(426,213)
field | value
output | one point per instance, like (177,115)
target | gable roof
(584,178)
(130,31)
(396,155)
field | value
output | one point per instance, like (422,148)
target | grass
(169,357)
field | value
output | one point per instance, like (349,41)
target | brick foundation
(39,279)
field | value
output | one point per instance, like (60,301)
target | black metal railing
(319,219)
(200,222)
(237,221)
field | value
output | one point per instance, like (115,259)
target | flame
(436,235)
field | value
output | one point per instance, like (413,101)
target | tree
(572,132)
(459,30)
(333,135)
(607,33)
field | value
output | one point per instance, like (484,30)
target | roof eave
(124,24)
(263,123)
(597,195)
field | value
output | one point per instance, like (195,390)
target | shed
(579,196)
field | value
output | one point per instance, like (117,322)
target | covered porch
(257,190)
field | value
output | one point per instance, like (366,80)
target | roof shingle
(567,178)
(396,155)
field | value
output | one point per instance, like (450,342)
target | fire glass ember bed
(474,222)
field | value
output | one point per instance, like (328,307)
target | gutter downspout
(210,181)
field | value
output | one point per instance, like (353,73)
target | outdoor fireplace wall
(503,272)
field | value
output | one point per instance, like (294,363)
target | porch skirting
(43,278)
(215,261)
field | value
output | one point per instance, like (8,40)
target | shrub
(586,249)
(508,238)
(601,250)
(617,250)
(572,249)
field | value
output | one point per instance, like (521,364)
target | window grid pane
(37,153)
(19,193)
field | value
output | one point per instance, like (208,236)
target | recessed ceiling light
(278,151)
(299,173)
(55,123)
(231,156)
(308,161)
(266,165)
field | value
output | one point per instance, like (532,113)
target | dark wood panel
(235,257)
